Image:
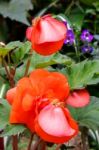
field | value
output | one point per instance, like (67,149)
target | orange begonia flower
(78,98)
(47,35)
(42,93)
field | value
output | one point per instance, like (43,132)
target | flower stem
(11,80)
(28,64)
(15,142)
(1,142)
(30,142)
(36,144)
(69,8)
(58,147)
(84,137)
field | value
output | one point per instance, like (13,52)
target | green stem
(69,8)
(28,64)
(48,7)
(27,67)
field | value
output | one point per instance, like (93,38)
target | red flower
(36,102)
(78,98)
(47,35)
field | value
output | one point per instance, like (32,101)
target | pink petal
(29,33)
(49,29)
(78,98)
(54,122)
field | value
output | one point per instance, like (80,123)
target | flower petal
(54,124)
(10,95)
(48,35)
(29,33)
(78,98)
(58,83)
(48,48)
(48,29)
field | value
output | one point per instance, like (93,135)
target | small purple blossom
(70,37)
(87,49)
(86,36)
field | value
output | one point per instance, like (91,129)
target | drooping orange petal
(78,98)
(10,95)
(50,128)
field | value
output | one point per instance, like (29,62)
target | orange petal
(10,95)
(48,48)
(58,83)
(27,102)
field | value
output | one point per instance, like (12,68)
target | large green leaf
(40,61)
(76,18)
(16,10)
(87,116)
(83,74)
(12,130)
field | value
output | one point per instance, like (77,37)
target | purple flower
(86,36)
(87,49)
(70,37)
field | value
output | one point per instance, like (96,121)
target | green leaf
(12,130)
(83,74)
(4,51)
(16,10)
(8,129)
(13,45)
(76,18)
(4,113)
(21,49)
(88,2)
(40,61)
(87,116)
